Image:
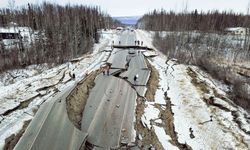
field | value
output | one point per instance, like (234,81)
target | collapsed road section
(51,128)
(108,117)
(109,114)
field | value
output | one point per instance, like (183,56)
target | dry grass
(11,141)
(202,86)
(77,99)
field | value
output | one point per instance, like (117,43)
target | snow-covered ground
(192,113)
(198,124)
(34,85)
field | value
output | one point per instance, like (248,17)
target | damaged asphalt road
(108,117)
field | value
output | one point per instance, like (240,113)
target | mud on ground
(77,99)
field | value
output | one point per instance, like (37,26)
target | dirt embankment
(153,82)
(205,89)
(77,99)
(147,137)
(11,141)
(210,101)
(167,117)
(197,83)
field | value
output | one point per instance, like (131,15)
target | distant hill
(128,20)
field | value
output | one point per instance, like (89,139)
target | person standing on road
(136,78)
(102,70)
(141,43)
(112,46)
(108,68)
(135,42)
(119,42)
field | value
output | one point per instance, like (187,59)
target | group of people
(137,42)
(105,68)
(113,43)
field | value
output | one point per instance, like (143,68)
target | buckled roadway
(108,117)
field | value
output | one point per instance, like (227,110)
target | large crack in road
(32,92)
(107,121)
(122,136)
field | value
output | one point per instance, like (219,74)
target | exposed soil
(77,99)
(22,105)
(149,138)
(197,83)
(25,104)
(203,87)
(210,101)
(148,135)
(167,117)
(153,82)
(146,138)
(11,141)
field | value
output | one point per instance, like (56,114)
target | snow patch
(40,84)
(150,113)
(164,138)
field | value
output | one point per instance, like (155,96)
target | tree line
(214,21)
(62,33)
(198,39)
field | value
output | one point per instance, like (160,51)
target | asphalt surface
(108,117)
(109,111)
(137,66)
(126,38)
(51,129)
(117,59)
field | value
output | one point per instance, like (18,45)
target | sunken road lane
(51,129)
(108,117)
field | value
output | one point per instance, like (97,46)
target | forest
(60,33)
(198,38)
(211,21)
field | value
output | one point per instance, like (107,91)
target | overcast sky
(140,7)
